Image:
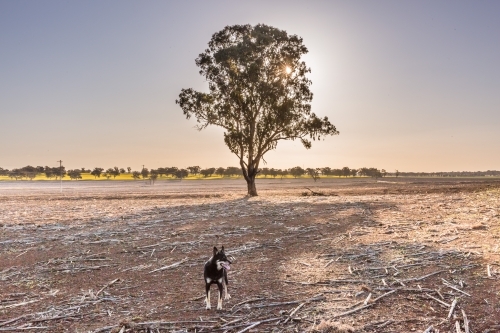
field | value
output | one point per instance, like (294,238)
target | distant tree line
(30,172)
(489,173)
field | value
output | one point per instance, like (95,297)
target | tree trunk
(252,190)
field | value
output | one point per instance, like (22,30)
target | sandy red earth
(393,255)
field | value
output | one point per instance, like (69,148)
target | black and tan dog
(216,272)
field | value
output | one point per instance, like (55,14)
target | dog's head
(220,259)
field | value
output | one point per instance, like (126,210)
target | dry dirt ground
(398,255)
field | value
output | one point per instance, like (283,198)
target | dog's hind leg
(207,299)
(226,294)
(219,299)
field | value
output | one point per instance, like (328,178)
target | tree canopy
(258,92)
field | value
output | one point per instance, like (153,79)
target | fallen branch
(293,312)
(13,320)
(18,304)
(364,306)
(452,308)
(313,299)
(257,324)
(60,317)
(244,302)
(159,323)
(106,286)
(170,266)
(420,278)
(16,329)
(449,285)
(320,194)
(466,322)
(438,300)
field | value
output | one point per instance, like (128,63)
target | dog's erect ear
(215,250)
(222,249)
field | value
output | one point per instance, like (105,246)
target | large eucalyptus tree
(258,92)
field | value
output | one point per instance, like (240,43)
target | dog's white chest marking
(209,280)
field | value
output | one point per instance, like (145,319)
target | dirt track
(389,256)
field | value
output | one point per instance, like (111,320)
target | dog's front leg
(207,299)
(219,300)
(226,294)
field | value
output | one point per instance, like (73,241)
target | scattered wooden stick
(170,266)
(387,323)
(316,298)
(59,317)
(250,327)
(422,277)
(10,321)
(466,322)
(232,322)
(17,329)
(457,327)
(449,285)
(106,286)
(429,329)
(244,302)
(18,304)
(257,324)
(367,299)
(364,306)
(315,193)
(452,308)
(459,290)
(196,298)
(293,312)
(438,300)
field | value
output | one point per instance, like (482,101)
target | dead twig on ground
(106,286)
(364,306)
(169,266)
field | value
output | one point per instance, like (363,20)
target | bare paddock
(393,255)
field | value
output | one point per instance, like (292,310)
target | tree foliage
(258,93)
(181,173)
(97,172)
(75,174)
(297,171)
(194,170)
(145,173)
(153,176)
(314,173)
(207,172)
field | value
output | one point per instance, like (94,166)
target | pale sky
(410,85)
